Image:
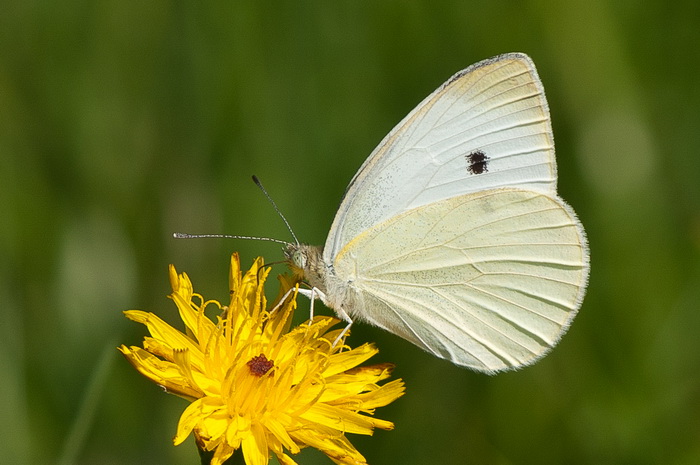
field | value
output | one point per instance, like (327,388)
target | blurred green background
(122,122)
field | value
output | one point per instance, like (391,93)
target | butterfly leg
(341,313)
(311,305)
(312,294)
(342,334)
(281,302)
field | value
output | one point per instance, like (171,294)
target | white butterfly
(452,235)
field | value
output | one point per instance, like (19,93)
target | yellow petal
(180,284)
(336,447)
(198,325)
(206,416)
(254,446)
(223,453)
(284,459)
(234,277)
(343,361)
(188,420)
(277,429)
(165,374)
(340,419)
(161,330)
(383,395)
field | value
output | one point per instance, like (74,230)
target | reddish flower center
(260,365)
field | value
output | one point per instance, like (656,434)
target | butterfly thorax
(306,262)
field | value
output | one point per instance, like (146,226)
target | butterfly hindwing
(489,280)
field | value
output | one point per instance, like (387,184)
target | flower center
(260,365)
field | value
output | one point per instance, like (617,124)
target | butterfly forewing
(485,128)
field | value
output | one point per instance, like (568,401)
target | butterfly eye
(295,256)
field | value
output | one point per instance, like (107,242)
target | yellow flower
(255,384)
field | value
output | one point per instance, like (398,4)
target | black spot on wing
(478,162)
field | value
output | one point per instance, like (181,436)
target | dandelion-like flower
(256,385)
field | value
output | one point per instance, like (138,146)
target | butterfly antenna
(226,236)
(274,205)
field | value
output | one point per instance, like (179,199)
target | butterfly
(452,235)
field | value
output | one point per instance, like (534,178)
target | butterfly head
(296,258)
(306,263)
